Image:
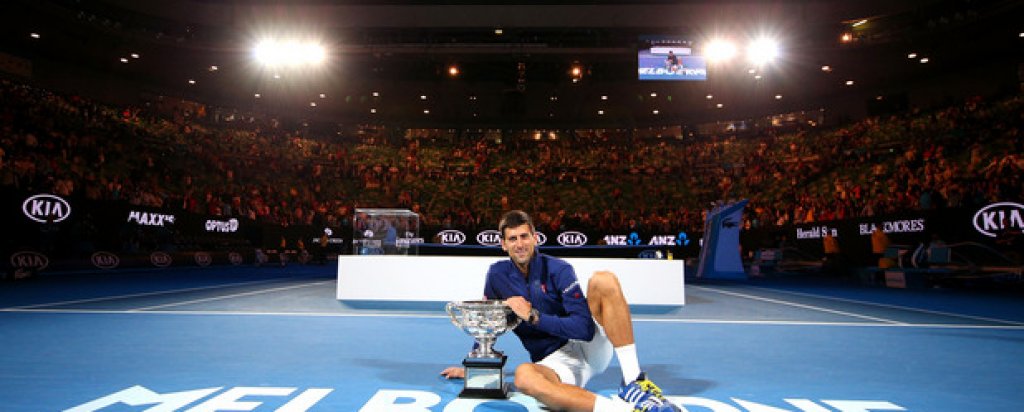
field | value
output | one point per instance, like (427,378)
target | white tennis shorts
(577,361)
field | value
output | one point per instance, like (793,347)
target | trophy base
(481,393)
(485,378)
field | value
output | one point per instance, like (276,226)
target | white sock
(628,362)
(612,404)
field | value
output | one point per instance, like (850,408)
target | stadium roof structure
(388,60)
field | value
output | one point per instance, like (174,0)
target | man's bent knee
(603,283)
(532,379)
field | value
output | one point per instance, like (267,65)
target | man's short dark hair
(514,218)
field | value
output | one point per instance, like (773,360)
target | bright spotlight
(291,53)
(719,50)
(762,51)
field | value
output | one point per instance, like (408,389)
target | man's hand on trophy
(520,306)
(454,372)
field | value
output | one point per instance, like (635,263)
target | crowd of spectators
(216,162)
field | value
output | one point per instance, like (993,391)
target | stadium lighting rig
(760,52)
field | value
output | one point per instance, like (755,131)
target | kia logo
(572,239)
(29,260)
(105,260)
(203,259)
(235,258)
(43,206)
(452,237)
(990,219)
(541,238)
(160,259)
(489,238)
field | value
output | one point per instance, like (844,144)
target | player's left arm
(578,322)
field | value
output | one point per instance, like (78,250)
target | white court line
(432,316)
(888,306)
(799,305)
(229,296)
(136,295)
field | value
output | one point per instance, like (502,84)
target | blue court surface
(276,339)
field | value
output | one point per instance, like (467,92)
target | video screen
(668,58)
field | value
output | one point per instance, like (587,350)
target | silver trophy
(484,320)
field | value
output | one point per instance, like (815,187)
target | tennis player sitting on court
(559,331)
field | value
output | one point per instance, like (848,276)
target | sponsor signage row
(987,221)
(569,238)
(36,262)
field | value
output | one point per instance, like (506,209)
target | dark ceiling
(401,49)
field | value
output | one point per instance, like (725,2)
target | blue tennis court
(276,339)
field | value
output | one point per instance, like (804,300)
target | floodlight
(762,51)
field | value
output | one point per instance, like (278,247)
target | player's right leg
(543,384)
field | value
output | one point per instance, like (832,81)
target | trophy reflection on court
(484,320)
